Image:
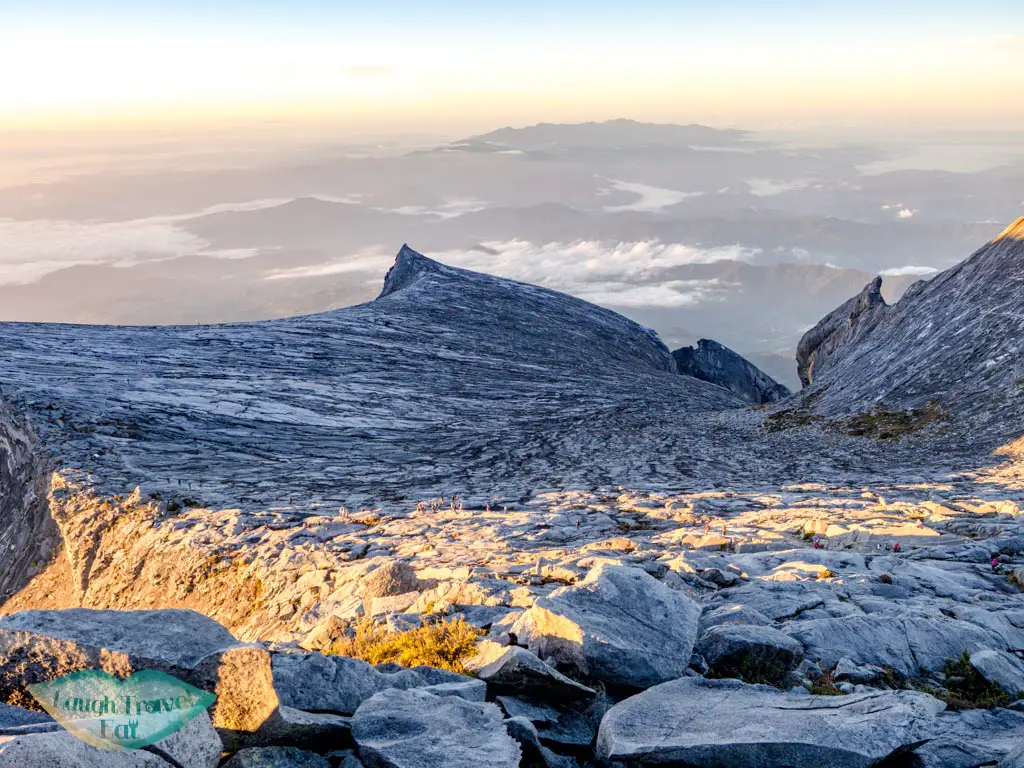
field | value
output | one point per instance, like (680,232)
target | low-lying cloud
(910,270)
(449,209)
(651,199)
(32,249)
(772,187)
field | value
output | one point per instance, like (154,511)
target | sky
(395,66)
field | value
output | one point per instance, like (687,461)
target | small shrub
(965,688)
(443,644)
(825,685)
(755,672)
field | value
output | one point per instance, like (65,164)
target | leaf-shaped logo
(110,713)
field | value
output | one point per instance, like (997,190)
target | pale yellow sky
(110,77)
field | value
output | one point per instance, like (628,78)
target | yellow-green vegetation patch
(442,644)
(888,425)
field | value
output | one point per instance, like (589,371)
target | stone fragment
(315,682)
(514,670)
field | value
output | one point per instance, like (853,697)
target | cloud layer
(32,249)
(611,274)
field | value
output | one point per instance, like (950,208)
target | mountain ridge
(954,340)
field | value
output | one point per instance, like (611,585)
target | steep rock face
(27,533)
(823,345)
(955,340)
(716,363)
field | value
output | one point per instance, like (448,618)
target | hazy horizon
(400,67)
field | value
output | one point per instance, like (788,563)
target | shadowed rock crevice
(28,534)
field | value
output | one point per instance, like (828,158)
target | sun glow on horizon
(138,74)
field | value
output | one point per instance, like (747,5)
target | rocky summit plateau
(658,557)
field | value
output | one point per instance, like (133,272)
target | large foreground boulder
(619,625)
(36,646)
(712,723)
(415,729)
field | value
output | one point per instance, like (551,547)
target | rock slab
(711,723)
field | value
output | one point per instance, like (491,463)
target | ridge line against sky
(392,66)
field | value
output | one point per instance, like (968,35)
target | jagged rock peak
(953,342)
(716,363)
(1013,232)
(409,264)
(822,346)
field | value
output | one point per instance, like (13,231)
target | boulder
(514,670)
(393,578)
(756,654)
(276,757)
(619,625)
(776,600)
(973,737)
(847,671)
(711,723)
(60,748)
(314,682)
(414,729)
(1002,669)
(36,646)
